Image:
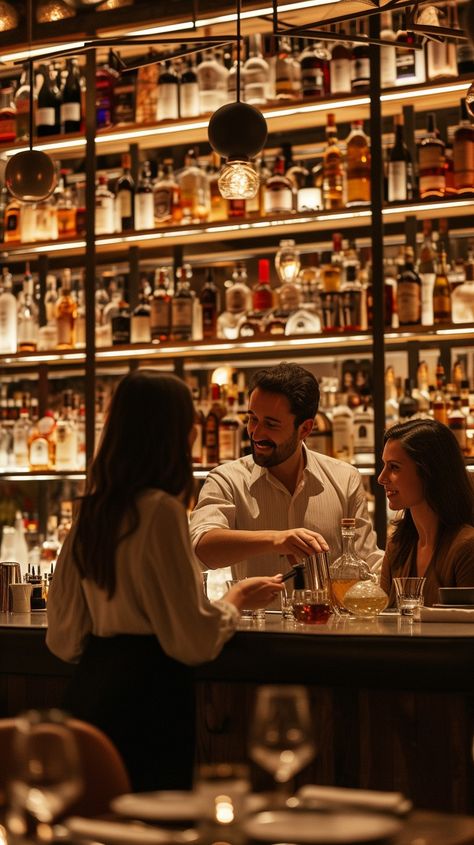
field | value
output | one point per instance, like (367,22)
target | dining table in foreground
(392,701)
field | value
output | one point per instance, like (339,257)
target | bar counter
(392,701)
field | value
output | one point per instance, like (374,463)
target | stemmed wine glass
(46,772)
(281,736)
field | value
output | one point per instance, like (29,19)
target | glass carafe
(349,569)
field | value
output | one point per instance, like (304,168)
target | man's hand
(253,593)
(299,543)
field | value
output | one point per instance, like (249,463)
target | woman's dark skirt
(144,701)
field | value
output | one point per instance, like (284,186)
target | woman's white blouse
(159,591)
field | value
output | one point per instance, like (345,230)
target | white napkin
(126,832)
(444,614)
(390,802)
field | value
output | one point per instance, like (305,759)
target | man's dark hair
(297,384)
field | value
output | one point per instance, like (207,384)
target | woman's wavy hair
(144,445)
(440,465)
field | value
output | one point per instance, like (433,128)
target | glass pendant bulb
(287,261)
(470,99)
(238,180)
(9,17)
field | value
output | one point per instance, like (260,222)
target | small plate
(340,827)
(159,806)
(126,833)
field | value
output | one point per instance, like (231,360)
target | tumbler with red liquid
(311,607)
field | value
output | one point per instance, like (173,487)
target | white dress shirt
(242,495)
(158,591)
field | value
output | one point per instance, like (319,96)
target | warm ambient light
(238,180)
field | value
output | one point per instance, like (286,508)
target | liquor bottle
(210,303)
(80,209)
(182,306)
(66,436)
(189,91)
(358,166)
(238,302)
(284,72)
(230,433)
(333,174)
(168,93)
(21,430)
(340,68)
(144,203)
(104,208)
(120,321)
(360,72)
(125,197)
(314,62)
(400,167)
(212,80)
(22,104)
(65,211)
(147,92)
(140,326)
(211,426)
(287,265)
(307,195)
(27,316)
(7,116)
(166,196)
(66,313)
(441,291)
(427,272)
(441,55)
(8,315)
(124,105)
(80,327)
(105,80)
(262,295)
(388,59)
(408,404)
(462,297)
(353,296)
(463,154)
(431,162)
(12,228)
(410,61)
(278,191)
(47,112)
(364,437)
(194,187)
(256,74)
(160,308)
(348,570)
(457,422)
(42,444)
(70,109)
(409,292)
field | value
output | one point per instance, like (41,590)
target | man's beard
(279,454)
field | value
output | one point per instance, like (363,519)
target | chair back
(103,770)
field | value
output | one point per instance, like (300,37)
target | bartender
(261,513)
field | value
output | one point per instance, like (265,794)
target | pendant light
(237,131)
(30,175)
(9,17)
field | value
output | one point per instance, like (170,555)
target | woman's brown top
(452,565)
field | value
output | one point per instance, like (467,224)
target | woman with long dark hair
(126,602)
(425,477)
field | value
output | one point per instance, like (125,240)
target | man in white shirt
(262,512)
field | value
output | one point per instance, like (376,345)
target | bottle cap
(348,523)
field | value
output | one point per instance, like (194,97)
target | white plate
(126,832)
(297,826)
(159,806)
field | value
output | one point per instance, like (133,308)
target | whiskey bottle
(284,72)
(409,292)
(427,272)
(229,433)
(105,81)
(189,91)
(125,197)
(104,208)
(314,62)
(278,191)
(333,174)
(66,313)
(194,187)
(463,154)
(358,166)
(182,306)
(144,206)
(360,72)
(441,291)
(238,302)
(121,319)
(166,197)
(168,93)
(431,162)
(210,304)
(160,308)
(140,330)
(388,59)
(66,436)
(340,68)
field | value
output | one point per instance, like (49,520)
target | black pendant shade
(237,131)
(30,176)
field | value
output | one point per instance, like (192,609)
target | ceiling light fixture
(238,131)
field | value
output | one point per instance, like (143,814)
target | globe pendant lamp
(237,132)
(30,175)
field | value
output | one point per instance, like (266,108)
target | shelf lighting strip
(8,475)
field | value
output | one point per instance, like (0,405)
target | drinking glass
(311,607)
(257,615)
(409,594)
(46,772)
(281,736)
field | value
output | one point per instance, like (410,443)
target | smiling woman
(424,476)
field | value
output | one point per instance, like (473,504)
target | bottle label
(236,300)
(397,181)
(427,284)
(70,111)
(388,67)
(66,446)
(65,330)
(309,199)
(144,211)
(140,329)
(45,117)
(441,304)
(189,101)
(405,60)
(182,314)
(104,216)
(340,76)
(431,156)
(228,443)
(276,201)
(39,453)
(168,102)
(360,71)
(463,155)
(160,317)
(163,199)
(125,203)
(312,81)
(408,295)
